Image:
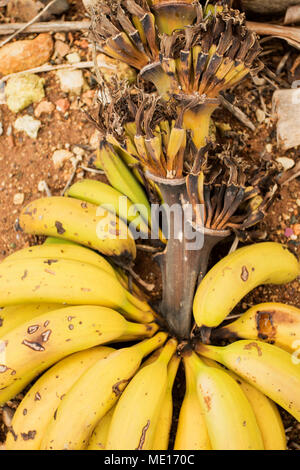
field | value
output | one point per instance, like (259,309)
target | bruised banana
(34,346)
(142,399)
(266,412)
(67,281)
(268,368)
(80,222)
(191,431)
(162,432)
(272,322)
(99,436)
(35,411)
(101,194)
(237,274)
(93,395)
(229,417)
(15,315)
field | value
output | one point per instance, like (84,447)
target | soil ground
(25,162)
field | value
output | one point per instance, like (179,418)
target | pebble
(298,202)
(71,81)
(287,163)
(88,97)
(95,139)
(296,229)
(22,55)
(60,156)
(18,199)
(21,91)
(73,58)
(78,151)
(44,107)
(62,105)
(29,125)
(61,48)
(260,115)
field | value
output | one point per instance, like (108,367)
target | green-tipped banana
(229,417)
(122,179)
(272,322)
(101,194)
(268,368)
(80,222)
(93,395)
(237,274)
(29,349)
(37,408)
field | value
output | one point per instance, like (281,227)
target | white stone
(71,81)
(18,199)
(73,58)
(29,125)
(287,163)
(60,156)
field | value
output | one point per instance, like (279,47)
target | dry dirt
(24,162)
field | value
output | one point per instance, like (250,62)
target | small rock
(25,10)
(73,58)
(260,115)
(78,151)
(269,148)
(71,81)
(62,105)
(95,140)
(18,199)
(60,156)
(61,48)
(21,91)
(22,55)
(41,186)
(286,163)
(298,202)
(44,107)
(60,37)
(29,125)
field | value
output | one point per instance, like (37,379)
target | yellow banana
(63,251)
(35,411)
(266,412)
(100,433)
(274,323)
(237,274)
(15,315)
(92,396)
(162,431)
(137,412)
(69,282)
(229,417)
(32,347)
(101,194)
(267,416)
(268,368)
(191,431)
(80,222)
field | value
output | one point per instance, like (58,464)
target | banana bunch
(221,411)
(64,406)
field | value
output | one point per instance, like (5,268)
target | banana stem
(184,260)
(198,120)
